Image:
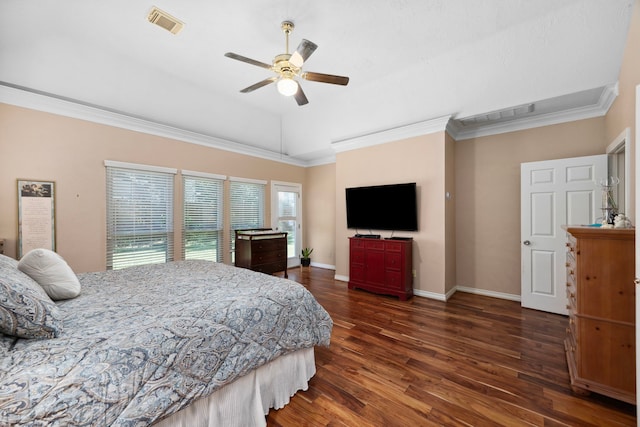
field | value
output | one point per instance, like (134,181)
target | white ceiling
(408,61)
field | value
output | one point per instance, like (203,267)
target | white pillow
(51,272)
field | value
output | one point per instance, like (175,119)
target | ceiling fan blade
(259,84)
(247,60)
(300,97)
(325,78)
(303,52)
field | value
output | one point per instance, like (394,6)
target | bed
(183,343)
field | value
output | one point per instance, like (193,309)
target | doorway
(286,215)
(554,193)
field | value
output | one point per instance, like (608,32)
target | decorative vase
(609,208)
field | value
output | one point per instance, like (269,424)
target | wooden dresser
(382,266)
(600,343)
(262,250)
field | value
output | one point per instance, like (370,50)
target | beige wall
(621,115)
(488,177)
(488,196)
(478,248)
(319,214)
(420,160)
(41,146)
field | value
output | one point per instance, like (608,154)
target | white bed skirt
(247,400)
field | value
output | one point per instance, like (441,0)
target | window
(202,224)
(139,214)
(247,206)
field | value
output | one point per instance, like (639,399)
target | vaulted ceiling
(408,61)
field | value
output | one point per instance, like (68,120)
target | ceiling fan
(289,66)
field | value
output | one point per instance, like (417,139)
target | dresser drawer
(267,245)
(393,260)
(374,244)
(357,256)
(357,243)
(391,246)
(597,362)
(267,257)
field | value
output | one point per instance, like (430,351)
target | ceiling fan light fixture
(287,86)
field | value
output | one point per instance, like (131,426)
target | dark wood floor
(472,361)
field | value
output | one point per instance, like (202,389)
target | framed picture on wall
(36,216)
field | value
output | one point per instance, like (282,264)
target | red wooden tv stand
(382,266)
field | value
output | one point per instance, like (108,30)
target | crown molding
(321,161)
(26,98)
(393,134)
(599,109)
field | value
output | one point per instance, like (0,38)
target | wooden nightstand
(262,250)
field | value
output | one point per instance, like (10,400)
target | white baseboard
(484,292)
(325,266)
(445,297)
(494,294)
(430,295)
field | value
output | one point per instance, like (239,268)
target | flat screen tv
(383,207)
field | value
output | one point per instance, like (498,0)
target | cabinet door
(375,267)
(394,280)
(393,260)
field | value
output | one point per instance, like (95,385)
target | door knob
(526,242)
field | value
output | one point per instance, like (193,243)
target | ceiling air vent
(498,116)
(164,20)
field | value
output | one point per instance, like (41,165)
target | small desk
(262,250)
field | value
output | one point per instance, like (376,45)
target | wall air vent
(164,20)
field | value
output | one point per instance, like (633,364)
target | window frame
(260,223)
(135,223)
(205,179)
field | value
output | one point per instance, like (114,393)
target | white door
(554,193)
(286,215)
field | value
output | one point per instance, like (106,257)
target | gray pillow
(51,272)
(5,260)
(25,309)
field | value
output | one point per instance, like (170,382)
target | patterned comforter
(141,343)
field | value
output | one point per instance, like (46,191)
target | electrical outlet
(414,273)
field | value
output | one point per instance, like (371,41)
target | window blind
(202,225)
(139,217)
(247,207)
